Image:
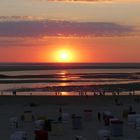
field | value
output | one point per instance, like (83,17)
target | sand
(11,106)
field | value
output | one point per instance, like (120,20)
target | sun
(64,56)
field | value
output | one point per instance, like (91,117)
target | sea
(15,76)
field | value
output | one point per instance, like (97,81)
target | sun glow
(64,56)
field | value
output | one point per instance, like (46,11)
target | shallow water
(68,77)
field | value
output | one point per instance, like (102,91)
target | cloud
(54,28)
(21,18)
(22,42)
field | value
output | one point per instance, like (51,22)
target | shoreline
(100,89)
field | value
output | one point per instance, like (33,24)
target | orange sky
(118,49)
(95,31)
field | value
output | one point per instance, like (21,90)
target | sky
(85,30)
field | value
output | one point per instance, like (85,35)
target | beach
(14,106)
(69,70)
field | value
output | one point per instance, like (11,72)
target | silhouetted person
(107,138)
(116,101)
(60,118)
(60,114)
(130,108)
(60,110)
(99,116)
(76,138)
(14,93)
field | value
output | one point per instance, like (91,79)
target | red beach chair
(41,135)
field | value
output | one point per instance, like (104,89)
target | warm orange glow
(64,93)
(63,73)
(64,55)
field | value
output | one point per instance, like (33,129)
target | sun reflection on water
(64,93)
(63,84)
(63,75)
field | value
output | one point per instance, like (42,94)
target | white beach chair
(137,125)
(13,122)
(116,127)
(106,113)
(65,117)
(39,124)
(132,119)
(19,135)
(103,134)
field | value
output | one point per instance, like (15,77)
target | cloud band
(63,28)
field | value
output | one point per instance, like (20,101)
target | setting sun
(64,56)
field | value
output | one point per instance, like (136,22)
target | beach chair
(28,116)
(106,114)
(57,128)
(13,122)
(41,135)
(77,122)
(107,120)
(137,125)
(39,124)
(65,117)
(116,127)
(103,134)
(43,117)
(19,135)
(132,119)
(48,125)
(88,115)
